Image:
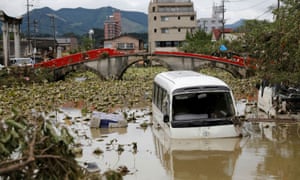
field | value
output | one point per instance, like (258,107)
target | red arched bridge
(112,64)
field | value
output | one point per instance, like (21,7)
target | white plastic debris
(107,120)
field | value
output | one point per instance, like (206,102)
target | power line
(267,11)
(253,6)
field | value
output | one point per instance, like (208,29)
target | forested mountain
(79,21)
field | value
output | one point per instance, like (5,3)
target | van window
(203,104)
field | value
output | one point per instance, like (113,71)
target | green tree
(86,44)
(257,37)
(198,42)
(276,45)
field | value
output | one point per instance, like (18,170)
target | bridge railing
(78,58)
(98,53)
(235,60)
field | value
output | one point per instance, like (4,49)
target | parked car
(21,62)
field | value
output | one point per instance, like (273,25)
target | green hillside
(79,21)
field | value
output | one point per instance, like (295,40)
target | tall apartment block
(168,23)
(112,26)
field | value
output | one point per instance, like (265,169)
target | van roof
(179,79)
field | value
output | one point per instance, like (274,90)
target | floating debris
(77,151)
(134,147)
(120,148)
(144,125)
(98,151)
(99,140)
(92,167)
(111,174)
(123,170)
(107,120)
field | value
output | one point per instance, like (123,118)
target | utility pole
(52,18)
(35,23)
(278,7)
(223,18)
(204,25)
(28,27)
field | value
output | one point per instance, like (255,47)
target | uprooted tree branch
(32,148)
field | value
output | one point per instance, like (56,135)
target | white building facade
(168,23)
(214,22)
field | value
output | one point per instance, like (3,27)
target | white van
(188,105)
(21,61)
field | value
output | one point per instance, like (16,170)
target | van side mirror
(166,118)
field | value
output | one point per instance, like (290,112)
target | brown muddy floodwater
(270,151)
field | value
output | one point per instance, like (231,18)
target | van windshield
(202,109)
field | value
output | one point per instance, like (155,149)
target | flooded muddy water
(270,151)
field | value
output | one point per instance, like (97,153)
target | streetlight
(52,18)
(91,34)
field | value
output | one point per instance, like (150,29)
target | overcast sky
(235,9)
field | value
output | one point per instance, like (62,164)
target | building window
(179,29)
(176,9)
(125,46)
(178,17)
(154,18)
(157,44)
(167,43)
(164,30)
(153,9)
(155,30)
(164,18)
(107,44)
(192,18)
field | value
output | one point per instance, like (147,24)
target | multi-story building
(168,23)
(112,26)
(214,22)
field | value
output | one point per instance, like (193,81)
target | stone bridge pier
(108,68)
